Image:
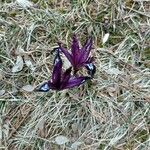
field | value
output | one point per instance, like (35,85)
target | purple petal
(52,85)
(56,75)
(75,46)
(76,82)
(66,53)
(66,76)
(86,50)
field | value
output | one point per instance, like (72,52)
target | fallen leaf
(14,91)
(105,38)
(28,88)
(60,140)
(20,51)
(75,145)
(41,128)
(112,91)
(29,64)
(75,127)
(18,65)
(2,92)
(47,146)
(1,75)
(24,3)
(6,128)
(114,71)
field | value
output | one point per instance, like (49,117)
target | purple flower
(61,80)
(79,57)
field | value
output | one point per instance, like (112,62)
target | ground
(110,112)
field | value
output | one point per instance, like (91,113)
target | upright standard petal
(75,46)
(76,82)
(78,57)
(86,49)
(66,53)
(57,70)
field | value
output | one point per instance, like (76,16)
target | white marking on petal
(90,66)
(83,81)
(45,87)
(56,60)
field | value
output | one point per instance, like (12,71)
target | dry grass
(110,112)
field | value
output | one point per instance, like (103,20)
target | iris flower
(61,80)
(79,57)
